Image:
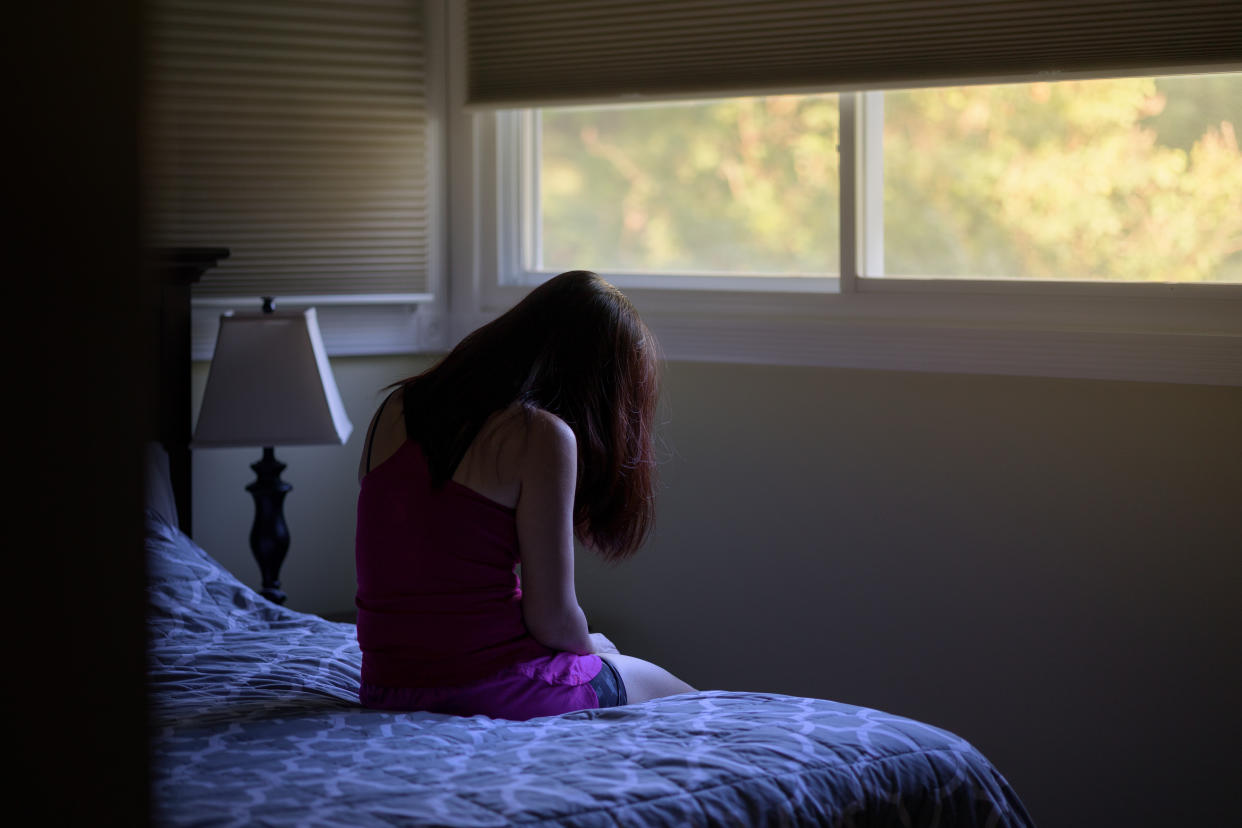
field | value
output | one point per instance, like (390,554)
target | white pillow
(159,492)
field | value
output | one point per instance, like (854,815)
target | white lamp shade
(270,385)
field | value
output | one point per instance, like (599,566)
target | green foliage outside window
(1136,179)
(745,184)
(1072,180)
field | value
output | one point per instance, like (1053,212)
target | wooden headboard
(180,268)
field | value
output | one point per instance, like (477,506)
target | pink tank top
(439,600)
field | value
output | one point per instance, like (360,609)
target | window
(1075,229)
(1119,180)
(928,274)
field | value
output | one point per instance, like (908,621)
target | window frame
(1164,332)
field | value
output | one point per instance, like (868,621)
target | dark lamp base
(269,536)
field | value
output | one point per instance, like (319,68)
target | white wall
(1050,568)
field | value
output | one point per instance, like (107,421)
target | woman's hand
(603,645)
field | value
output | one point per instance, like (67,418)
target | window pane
(738,186)
(1134,180)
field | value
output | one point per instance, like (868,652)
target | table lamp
(270,385)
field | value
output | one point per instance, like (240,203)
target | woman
(535,429)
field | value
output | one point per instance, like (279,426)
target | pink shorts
(545,686)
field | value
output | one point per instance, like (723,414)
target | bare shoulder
(549,438)
(520,450)
(550,454)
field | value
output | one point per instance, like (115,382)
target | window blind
(532,52)
(295,135)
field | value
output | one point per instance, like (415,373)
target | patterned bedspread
(257,723)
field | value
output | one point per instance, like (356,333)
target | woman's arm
(545,507)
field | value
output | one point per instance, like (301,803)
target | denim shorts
(608,686)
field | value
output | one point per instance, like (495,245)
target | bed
(256,721)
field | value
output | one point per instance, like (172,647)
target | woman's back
(490,465)
(438,600)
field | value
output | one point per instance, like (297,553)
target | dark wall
(77,340)
(1050,568)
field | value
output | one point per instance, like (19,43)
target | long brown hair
(575,347)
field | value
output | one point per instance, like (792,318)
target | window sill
(1065,330)
(1210,359)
